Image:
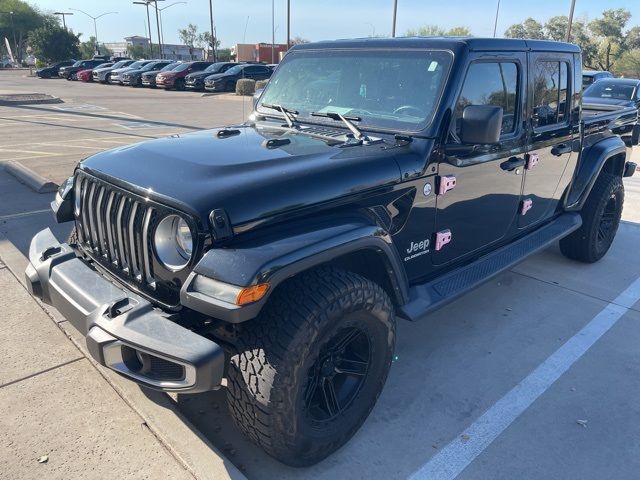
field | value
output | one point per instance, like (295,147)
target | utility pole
(573,7)
(146,4)
(395,12)
(495,24)
(273,31)
(288,24)
(213,31)
(158,26)
(63,15)
(13,31)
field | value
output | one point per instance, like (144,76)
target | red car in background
(87,75)
(174,79)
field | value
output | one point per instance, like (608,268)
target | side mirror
(481,125)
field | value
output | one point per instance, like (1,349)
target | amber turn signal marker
(252,294)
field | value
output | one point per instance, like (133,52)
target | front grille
(114,228)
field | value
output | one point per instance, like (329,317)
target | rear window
(550,84)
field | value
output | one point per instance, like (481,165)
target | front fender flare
(591,162)
(272,260)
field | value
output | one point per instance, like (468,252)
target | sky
(318,19)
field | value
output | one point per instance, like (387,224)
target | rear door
(257,72)
(480,210)
(552,134)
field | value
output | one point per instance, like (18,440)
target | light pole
(63,15)
(395,12)
(164,8)
(95,27)
(573,7)
(288,24)
(213,31)
(157,26)
(146,4)
(495,24)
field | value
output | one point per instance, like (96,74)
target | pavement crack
(46,370)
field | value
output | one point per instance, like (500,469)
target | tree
(189,36)
(53,44)
(224,55)
(629,64)
(530,28)
(25,19)
(299,40)
(436,31)
(204,41)
(139,51)
(609,31)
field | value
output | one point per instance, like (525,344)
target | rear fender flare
(590,165)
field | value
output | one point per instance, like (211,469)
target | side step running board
(427,297)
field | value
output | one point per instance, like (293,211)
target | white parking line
(449,462)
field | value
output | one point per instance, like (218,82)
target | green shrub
(245,86)
(261,84)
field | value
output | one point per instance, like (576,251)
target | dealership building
(169,51)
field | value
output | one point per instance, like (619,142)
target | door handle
(513,163)
(561,149)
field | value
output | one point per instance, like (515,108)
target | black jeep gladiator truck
(376,179)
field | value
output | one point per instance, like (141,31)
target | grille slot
(114,228)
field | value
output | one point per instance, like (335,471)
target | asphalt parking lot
(533,375)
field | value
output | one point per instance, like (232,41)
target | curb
(33,180)
(17,101)
(158,410)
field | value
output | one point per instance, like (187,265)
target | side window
(550,84)
(490,83)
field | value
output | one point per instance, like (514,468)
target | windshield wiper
(288,113)
(347,120)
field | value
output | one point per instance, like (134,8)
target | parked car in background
(148,79)
(226,82)
(87,75)
(114,77)
(103,75)
(614,94)
(52,70)
(133,78)
(174,79)
(71,72)
(195,80)
(7,64)
(591,76)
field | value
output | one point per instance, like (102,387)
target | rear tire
(600,219)
(310,368)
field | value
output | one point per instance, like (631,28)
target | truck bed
(597,118)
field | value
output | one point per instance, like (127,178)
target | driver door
(481,209)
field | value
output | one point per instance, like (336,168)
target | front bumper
(195,85)
(123,331)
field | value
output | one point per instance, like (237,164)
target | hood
(137,71)
(120,70)
(201,171)
(595,102)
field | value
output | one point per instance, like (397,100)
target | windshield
(214,67)
(182,67)
(78,63)
(395,89)
(119,64)
(611,90)
(149,66)
(135,65)
(234,70)
(171,66)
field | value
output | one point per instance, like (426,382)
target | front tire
(600,219)
(310,368)
(179,85)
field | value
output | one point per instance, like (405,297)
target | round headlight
(173,242)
